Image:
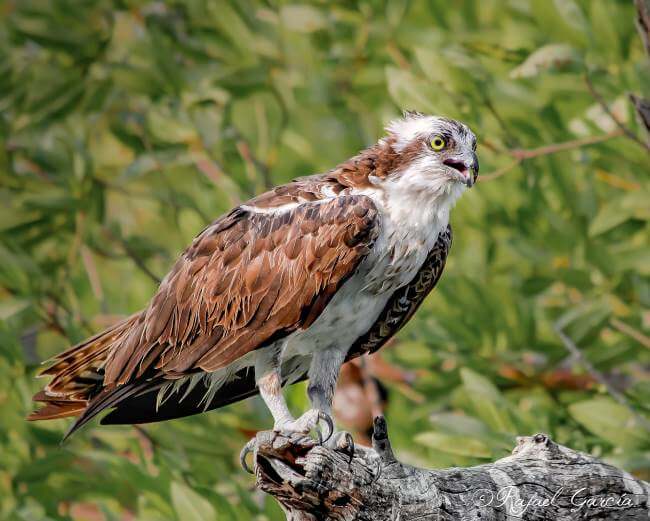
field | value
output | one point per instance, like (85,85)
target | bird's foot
(275,445)
(342,441)
(307,423)
(294,435)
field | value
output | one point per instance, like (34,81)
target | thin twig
(601,101)
(574,350)
(153,442)
(521,155)
(631,332)
(501,171)
(398,57)
(138,261)
(554,148)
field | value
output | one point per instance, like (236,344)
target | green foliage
(126,126)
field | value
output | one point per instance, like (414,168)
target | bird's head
(432,153)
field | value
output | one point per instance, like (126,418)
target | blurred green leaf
(457,445)
(619,210)
(611,421)
(552,57)
(487,401)
(189,505)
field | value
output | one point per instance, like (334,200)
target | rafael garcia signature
(509,498)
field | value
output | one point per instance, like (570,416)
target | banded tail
(78,374)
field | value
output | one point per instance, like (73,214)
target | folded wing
(249,279)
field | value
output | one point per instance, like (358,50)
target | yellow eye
(437,143)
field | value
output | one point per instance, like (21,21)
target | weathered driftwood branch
(541,480)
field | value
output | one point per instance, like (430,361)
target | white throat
(419,198)
(414,210)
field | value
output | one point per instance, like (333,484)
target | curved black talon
(330,423)
(249,447)
(348,446)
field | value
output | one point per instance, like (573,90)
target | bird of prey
(285,287)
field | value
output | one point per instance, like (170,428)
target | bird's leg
(271,391)
(270,386)
(323,374)
(269,381)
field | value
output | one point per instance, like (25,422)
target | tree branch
(540,480)
(631,332)
(521,155)
(597,375)
(603,104)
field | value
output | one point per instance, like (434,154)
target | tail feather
(78,374)
(106,399)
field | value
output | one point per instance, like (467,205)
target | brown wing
(143,407)
(248,279)
(405,301)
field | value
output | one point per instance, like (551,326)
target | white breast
(409,229)
(412,219)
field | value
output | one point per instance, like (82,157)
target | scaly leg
(269,382)
(323,374)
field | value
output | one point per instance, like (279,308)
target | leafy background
(128,125)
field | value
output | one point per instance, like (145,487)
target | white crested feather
(405,130)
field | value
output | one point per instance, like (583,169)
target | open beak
(468,170)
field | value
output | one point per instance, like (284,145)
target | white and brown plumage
(284,287)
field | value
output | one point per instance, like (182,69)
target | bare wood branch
(541,480)
(598,376)
(643,22)
(601,101)
(521,155)
(631,332)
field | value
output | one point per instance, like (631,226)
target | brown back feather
(248,279)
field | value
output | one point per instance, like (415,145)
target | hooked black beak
(474,168)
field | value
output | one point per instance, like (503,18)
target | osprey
(285,287)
